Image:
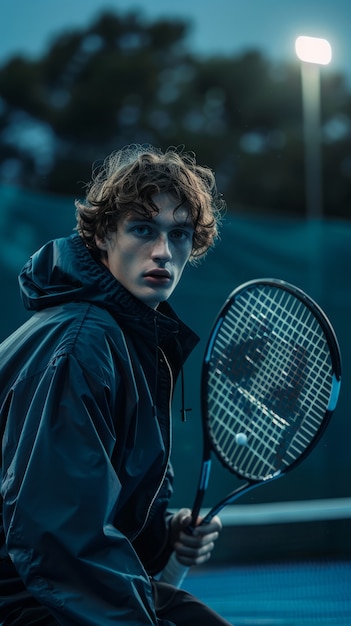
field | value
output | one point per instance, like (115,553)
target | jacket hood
(64,270)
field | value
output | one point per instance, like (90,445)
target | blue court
(289,594)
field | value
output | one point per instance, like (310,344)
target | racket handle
(174,572)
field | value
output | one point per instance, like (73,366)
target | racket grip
(174,572)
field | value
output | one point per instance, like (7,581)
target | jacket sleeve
(60,493)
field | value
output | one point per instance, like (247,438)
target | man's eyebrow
(138,218)
(187,225)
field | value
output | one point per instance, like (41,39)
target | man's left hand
(193,548)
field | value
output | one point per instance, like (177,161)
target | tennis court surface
(289,594)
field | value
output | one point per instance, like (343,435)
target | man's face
(147,256)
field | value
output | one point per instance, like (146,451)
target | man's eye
(141,230)
(180,234)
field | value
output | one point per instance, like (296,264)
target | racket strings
(269,377)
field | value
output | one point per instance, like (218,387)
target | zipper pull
(183,413)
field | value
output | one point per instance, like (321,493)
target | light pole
(313,52)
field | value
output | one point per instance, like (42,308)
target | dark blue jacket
(85,388)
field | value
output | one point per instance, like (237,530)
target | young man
(85,389)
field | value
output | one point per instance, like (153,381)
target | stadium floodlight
(313,50)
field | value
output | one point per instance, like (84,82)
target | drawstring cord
(183,410)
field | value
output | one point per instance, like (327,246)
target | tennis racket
(270,383)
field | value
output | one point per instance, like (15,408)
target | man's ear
(101,243)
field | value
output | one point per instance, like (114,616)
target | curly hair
(128,180)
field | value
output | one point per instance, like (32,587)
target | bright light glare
(313,50)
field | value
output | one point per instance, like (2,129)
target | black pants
(183,609)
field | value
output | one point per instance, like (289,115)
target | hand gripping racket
(270,383)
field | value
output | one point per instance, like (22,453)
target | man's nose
(161,249)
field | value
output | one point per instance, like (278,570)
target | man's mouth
(158,276)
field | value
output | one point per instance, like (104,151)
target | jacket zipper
(169,447)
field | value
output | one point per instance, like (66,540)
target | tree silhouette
(123,80)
